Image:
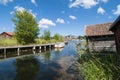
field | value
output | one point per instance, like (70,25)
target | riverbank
(5,42)
(97,66)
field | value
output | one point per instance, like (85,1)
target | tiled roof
(9,33)
(98,29)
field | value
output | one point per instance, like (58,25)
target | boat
(58,49)
(59,45)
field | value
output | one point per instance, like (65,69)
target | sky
(60,16)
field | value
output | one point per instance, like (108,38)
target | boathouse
(99,38)
(115,28)
(7,34)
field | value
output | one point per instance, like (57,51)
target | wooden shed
(99,38)
(7,34)
(115,27)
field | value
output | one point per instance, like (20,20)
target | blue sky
(61,16)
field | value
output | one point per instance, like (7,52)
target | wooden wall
(117,38)
(102,43)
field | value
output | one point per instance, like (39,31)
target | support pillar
(40,48)
(5,51)
(18,51)
(33,48)
(45,48)
(50,47)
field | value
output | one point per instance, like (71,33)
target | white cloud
(34,14)
(4,2)
(105,1)
(19,8)
(59,20)
(12,12)
(45,23)
(83,3)
(72,17)
(100,10)
(70,0)
(34,2)
(117,11)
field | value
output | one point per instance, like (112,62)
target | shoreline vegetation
(4,42)
(98,66)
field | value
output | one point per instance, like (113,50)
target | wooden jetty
(20,49)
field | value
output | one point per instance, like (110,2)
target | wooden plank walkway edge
(27,46)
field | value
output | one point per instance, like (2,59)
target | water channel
(54,64)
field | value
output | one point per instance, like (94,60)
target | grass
(98,66)
(8,42)
(13,41)
(43,41)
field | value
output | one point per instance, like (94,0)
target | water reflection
(58,50)
(26,68)
(47,56)
(57,64)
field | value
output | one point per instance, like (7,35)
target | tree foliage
(57,37)
(81,37)
(26,29)
(47,35)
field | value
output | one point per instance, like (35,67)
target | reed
(97,66)
(8,42)
(103,67)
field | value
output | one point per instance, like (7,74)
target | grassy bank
(98,66)
(13,41)
(43,41)
(8,42)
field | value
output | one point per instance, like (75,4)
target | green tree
(26,29)
(81,37)
(47,35)
(57,37)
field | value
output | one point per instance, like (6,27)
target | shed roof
(9,33)
(116,22)
(98,29)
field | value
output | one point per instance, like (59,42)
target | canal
(54,64)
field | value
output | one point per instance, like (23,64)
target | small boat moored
(59,45)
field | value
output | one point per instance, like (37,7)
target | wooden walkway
(26,47)
(19,49)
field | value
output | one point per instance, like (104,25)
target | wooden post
(4,50)
(18,51)
(4,53)
(33,48)
(45,48)
(40,48)
(50,47)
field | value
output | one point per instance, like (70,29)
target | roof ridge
(98,29)
(99,24)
